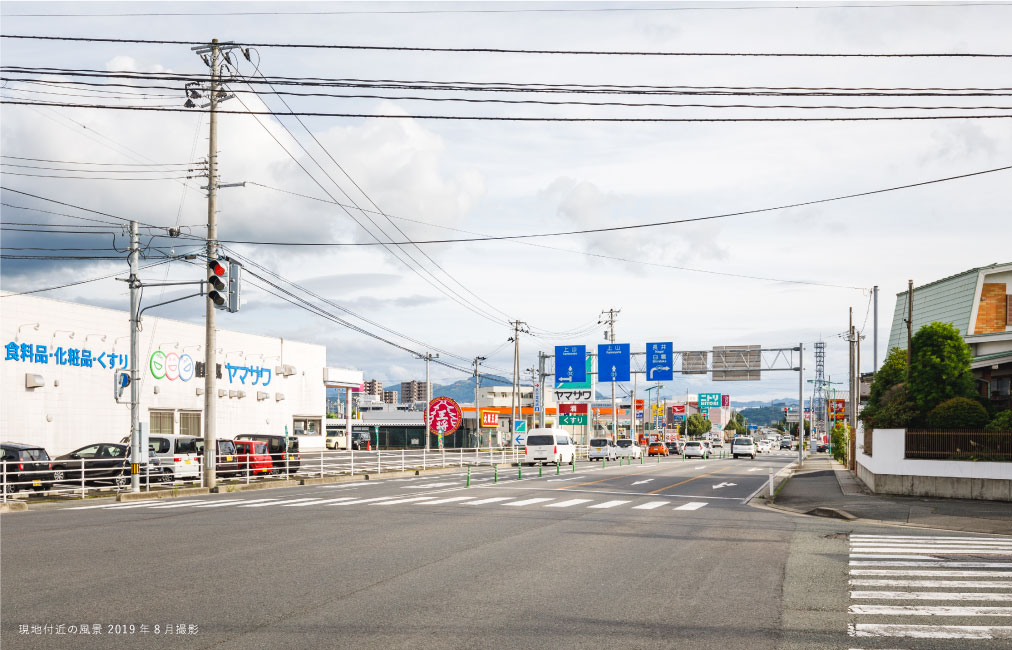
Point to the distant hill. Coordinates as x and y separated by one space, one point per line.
768 413
463 390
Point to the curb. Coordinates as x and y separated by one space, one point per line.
13 506
162 494
779 479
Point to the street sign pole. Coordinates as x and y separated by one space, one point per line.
801 403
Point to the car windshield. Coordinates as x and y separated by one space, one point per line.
743 441
36 454
598 442
625 443
692 444
260 448
293 444
186 445
541 440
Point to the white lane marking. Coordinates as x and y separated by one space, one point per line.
923 538
217 504
410 500
994 584
934 631
109 506
935 551
937 573
245 502
938 563
450 500
608 504
481 501
348 503
178 505
651 505
571 478
930 595
755 469
700 467
893 557
643 481
694 505
566 504
428 485
918 610
267 502
317 502
526 502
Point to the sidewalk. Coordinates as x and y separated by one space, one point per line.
824 483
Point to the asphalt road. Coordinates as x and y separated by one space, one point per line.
652 555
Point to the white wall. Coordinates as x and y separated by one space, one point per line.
888 450
76 406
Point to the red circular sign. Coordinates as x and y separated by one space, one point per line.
444 415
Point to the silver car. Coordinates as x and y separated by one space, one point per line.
602 448
743 446
628 449
696 448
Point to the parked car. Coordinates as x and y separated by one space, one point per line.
628 449
99 462
284 451
253 457
696 448
601 448
822 446
225 461
25 466
657 449
178 455
743 446
549 446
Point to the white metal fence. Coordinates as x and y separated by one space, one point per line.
81 478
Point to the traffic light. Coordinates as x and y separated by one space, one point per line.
217 275
234 276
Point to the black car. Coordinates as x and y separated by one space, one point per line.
673 448
821 447
284 451
226 459
786 443
25 466
104 461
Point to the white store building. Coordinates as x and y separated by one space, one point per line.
61 359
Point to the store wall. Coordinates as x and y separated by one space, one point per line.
76 350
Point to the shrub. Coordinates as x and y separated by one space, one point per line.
958 413
1001 422
838 442
939 366
896 410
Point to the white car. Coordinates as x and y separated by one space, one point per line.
764 447
696 448
743 446
602 448
628 449
549 446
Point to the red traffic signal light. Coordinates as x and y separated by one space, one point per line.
215 284
217 268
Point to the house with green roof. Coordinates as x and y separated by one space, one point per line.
978 302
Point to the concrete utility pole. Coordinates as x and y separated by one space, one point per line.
852 444
135 433
515 397
632 411
910 322
477 411
541 388
801 403
874 338
210 338
610 336
428 356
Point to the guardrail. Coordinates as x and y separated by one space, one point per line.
80 478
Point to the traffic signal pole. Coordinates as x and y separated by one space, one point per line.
135 303
210 338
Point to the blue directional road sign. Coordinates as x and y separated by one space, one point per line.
660 364
570 364
613 362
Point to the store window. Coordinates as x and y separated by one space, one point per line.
306 426
160 422
189 423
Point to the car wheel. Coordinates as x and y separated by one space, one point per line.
58 475
121 480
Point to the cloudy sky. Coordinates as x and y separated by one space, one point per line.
773 278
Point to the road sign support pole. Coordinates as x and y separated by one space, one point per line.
801 403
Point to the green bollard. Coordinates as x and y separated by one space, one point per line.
658 459
495 473
468 476
641 459
520 471
539 470
558 467
574 464
604 463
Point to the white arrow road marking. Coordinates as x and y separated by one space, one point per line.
720 485
644 481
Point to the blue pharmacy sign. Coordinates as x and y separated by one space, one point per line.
570 364
613 362
660 364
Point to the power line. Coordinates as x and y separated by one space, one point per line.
74 284
489 50
508 118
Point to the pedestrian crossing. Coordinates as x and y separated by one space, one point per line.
518 502
930 587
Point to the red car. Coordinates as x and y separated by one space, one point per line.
253 455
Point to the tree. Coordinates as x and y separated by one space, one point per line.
1002 422
896 410
697 425
939 366
958 413
892 372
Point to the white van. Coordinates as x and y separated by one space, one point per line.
178 455
549 446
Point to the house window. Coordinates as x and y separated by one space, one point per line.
189 423
160 422
307 426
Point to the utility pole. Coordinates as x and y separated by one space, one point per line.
874 338
801 403
910 322
610 336
477 411
428 356
541 387
632 411
515 397
852 443
135 433
210 338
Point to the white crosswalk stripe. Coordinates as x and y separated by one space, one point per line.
567 504
450 500
608 504
934 570
693 505
526 502
651 505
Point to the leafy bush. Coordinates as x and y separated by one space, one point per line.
1001 422
958 413
838 443
939 366
896 410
